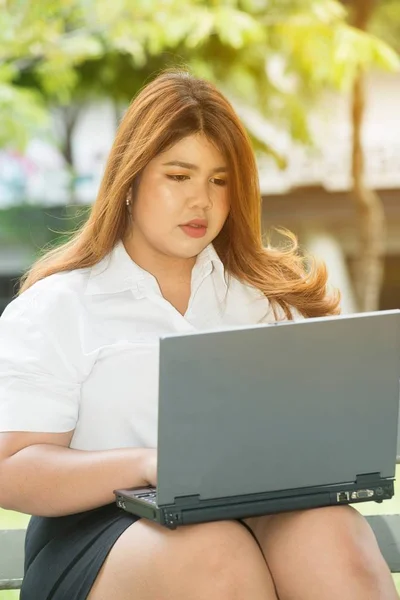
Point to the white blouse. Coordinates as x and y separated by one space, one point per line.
79 349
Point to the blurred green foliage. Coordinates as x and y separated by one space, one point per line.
62 53
386 22
39 227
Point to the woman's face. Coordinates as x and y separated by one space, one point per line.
181 203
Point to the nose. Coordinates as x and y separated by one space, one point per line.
201 197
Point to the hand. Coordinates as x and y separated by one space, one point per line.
150 466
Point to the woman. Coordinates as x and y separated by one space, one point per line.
172 244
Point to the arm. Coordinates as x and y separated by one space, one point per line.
41 475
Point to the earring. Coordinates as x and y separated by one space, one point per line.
129 197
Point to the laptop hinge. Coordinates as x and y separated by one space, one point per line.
365 478
193 499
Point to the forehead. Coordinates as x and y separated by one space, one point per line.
194 148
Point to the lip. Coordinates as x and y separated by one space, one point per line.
198 222
196 228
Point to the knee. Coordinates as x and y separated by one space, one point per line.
214 560
217 557
221 550
363 557
347 539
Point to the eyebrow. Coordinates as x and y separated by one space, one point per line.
186 165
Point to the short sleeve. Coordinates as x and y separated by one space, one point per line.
39 390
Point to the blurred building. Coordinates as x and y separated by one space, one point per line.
311 197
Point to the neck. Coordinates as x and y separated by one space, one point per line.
163 267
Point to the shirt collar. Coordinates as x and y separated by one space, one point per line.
117 272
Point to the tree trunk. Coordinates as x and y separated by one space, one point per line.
66 120
69 116
371 217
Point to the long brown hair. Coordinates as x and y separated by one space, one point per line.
172 106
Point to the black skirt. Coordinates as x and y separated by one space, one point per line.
63 555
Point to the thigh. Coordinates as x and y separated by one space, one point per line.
317 544
310 527
209 560
63 555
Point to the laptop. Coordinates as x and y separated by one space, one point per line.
271 418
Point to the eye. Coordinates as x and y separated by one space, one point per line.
178 177
220 182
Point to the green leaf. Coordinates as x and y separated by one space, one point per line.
23 115
201 29
64 50
80 47
236 28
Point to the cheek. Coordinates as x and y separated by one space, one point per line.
172 200
223 204
158 205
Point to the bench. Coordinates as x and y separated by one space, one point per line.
385 526
11 558
386 529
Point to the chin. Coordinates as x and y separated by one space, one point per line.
187 253
190 249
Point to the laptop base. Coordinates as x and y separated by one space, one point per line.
191 509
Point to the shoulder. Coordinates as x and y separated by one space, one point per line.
260 309
56 297
247 303
243 290
42 327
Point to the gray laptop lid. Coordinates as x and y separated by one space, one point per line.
275 407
